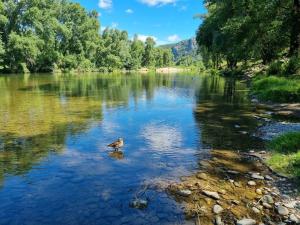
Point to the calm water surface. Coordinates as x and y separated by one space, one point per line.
55 167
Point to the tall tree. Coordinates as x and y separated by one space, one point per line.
149 55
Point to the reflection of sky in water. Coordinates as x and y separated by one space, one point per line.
83 184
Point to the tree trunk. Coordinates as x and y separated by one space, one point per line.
295 31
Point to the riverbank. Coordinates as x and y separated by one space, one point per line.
233 188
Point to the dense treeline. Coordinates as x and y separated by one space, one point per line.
240 30
52 35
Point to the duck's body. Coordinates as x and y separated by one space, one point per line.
117 144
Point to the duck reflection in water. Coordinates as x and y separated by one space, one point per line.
117 155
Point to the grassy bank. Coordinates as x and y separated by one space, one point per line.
286 154
276 89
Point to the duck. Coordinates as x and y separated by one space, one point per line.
117 144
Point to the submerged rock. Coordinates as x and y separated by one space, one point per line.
255 210
218 221
246 222
202 176
293 218
268 199
283 211
184 193
217 209
139 204
257 176
212 194
259 191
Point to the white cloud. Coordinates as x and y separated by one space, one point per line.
157 2
173 38
129 11
143 38
114 25
105 4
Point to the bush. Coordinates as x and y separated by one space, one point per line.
276 89
293 66
275 68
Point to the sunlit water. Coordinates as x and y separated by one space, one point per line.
55 167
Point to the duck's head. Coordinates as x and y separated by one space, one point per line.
120 139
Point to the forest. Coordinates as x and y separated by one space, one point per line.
59 35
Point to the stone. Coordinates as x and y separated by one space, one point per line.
222 191
293 218
268 199
231 181
257 176
237 184
233 172
255 210
251 183
236 202
217 209
269 177
283 211
218 221
246 222
259 191
202 176
267 206
212 194
184 193
139 204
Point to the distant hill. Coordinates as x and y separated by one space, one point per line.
183 48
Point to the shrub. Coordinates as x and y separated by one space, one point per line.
275 68
292 67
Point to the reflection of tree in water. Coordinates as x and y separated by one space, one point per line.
37 113
224 115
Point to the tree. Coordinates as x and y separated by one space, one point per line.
2 53
149 55
137 51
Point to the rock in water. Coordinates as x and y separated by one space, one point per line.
246 222
282 210
217 209
139 204
257 176
293 218
268 199
184 193
202 176
212 194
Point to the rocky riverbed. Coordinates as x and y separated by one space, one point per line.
233 188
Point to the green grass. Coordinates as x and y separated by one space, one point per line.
286 156
277 89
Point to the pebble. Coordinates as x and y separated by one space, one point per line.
283 211
259 191
268 199
219 221
236 202
212 194
237 184
293 218
202 176
252 183
257 176
255 210
223 192
246 222
217 209
184 193
269 177
233 172
267 206
139 204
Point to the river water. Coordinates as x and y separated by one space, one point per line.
55 167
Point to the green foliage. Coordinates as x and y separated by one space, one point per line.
286 158
238 30
293 66
286 143
277 89
275 68
56 35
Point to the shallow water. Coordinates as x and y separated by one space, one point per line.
55 167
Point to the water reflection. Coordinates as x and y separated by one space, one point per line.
55 167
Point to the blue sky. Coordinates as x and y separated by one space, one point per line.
168 21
